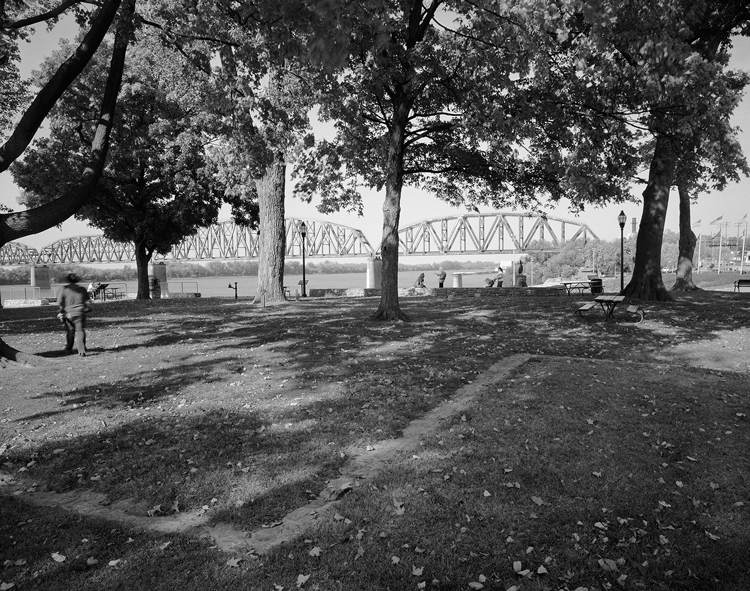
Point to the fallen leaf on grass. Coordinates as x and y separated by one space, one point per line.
476 585
487 493
58 557
711 536
6 586
608 565
537 500
154 511
114 562
234 562
91 561
541 570
417 571
301 580
315 551
395 559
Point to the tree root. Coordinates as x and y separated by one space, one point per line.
390 315
684 285
9 355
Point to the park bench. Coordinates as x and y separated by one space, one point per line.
585 308
741 283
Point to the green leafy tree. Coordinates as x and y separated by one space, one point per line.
673 56
158 185
14 225
476 102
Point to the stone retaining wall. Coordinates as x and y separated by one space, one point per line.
445 292
25 303
179 295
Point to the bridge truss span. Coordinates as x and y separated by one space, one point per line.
222 241
16 253
490 233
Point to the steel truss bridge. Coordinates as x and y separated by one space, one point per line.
470 234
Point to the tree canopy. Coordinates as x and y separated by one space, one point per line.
158 185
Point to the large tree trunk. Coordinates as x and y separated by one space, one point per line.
684 279
24 223
272 242
142 259
646 282
389 307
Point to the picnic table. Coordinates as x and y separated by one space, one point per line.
608 304
113 293
580 286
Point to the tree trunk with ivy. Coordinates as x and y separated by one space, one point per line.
646 282
272 239
684 279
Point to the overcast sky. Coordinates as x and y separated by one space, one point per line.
731 204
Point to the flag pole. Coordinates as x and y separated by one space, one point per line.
700 237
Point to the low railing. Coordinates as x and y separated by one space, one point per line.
20 293
182 285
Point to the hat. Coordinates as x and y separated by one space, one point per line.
72 278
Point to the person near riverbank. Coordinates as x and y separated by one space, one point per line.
499 276
420 281
73 303
441 277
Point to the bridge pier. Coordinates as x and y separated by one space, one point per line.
374 273
40 277
157 280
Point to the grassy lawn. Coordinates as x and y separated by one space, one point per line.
616 457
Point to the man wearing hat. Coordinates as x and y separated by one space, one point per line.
73 301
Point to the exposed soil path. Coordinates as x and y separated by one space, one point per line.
361 468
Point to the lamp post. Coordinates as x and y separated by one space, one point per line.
235 289
621 219
303 233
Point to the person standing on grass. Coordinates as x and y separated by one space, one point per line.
73 303
441 277
499 276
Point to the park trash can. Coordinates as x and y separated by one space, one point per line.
596 284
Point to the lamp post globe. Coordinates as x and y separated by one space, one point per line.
303 234
621 219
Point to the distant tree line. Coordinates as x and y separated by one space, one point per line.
58 273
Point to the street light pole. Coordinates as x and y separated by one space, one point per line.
303 233
621 219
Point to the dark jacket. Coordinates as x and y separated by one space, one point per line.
73 300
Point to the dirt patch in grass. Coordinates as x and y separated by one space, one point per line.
243 414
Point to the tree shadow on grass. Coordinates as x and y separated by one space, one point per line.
346 381
236 464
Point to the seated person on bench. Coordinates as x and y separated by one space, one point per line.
96 289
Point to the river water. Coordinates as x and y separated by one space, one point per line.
248 285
